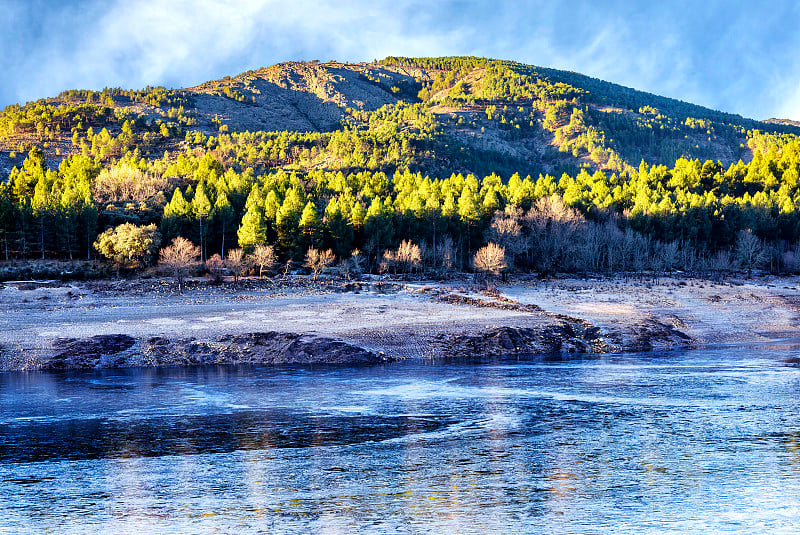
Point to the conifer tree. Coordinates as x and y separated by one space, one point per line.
42 205
310 227
175 215
251 232
378 224
288 221
6 215
201 209
223 217
337 224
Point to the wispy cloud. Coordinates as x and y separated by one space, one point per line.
720 53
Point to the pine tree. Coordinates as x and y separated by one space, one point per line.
176 212
287 223
201 208
271 206
42 205
223 217
6 215
251 232
378 224
337 224
469 212
310 227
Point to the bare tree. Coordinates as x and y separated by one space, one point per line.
215 266
688 257
749 250
637 247
287 267
612 239
552 228
446 253
407 256
178 258
490 259
127 183
721 262
357 261
505 230
669 254
790 260
317 260
235 261
592 248
383 267
264 257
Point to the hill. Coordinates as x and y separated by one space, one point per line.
475 112
368 155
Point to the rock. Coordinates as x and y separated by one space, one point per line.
122 351
653 334
517 341
292 348
98 351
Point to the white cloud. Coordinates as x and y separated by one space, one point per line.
716 56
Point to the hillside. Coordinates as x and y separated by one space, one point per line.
449 153
515 117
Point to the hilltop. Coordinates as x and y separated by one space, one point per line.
466 114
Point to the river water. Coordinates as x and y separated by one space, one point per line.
704 441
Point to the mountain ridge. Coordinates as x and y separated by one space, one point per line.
460 95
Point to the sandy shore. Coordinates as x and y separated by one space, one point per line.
399 320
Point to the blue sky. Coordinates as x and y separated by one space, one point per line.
740 57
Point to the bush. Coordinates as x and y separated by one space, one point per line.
129 245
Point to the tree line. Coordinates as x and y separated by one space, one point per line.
691 214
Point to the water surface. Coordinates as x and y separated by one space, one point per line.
683 442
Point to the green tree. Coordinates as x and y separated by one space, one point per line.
6 215
469 212
310 226
23 183
223 217
129 245
176 213
378 225
337 223
252 232
201 209
42 204
288 221
77 202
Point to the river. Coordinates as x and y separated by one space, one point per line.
703 441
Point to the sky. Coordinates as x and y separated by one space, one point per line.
738 57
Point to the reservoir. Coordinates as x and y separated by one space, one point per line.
702 441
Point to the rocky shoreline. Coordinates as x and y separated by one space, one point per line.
567 339
300 324
282 348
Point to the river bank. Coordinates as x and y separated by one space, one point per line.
128 323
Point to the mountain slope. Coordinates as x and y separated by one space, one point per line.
473 112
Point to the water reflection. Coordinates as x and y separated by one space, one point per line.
93 438
701 441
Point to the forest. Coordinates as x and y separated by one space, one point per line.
626 181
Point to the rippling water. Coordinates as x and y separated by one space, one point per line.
692 442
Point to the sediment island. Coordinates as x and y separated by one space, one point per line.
294 320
